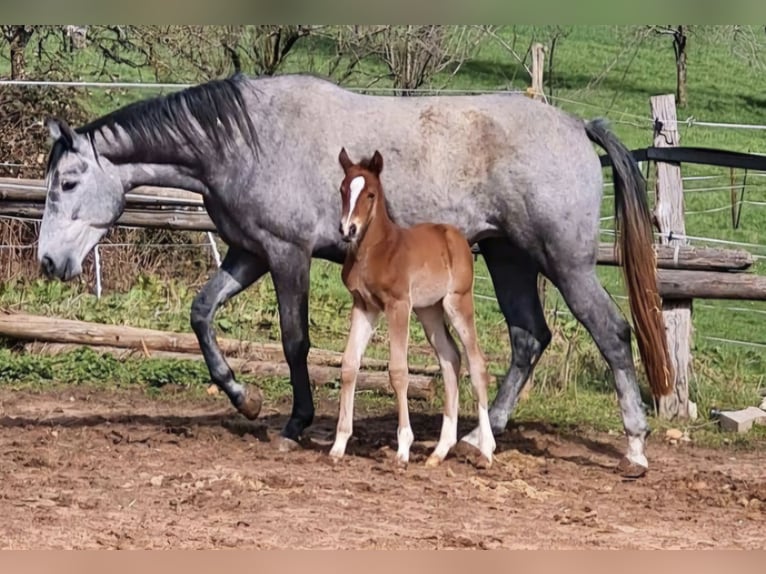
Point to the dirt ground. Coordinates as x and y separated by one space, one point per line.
95 469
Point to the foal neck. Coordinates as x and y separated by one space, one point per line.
380 226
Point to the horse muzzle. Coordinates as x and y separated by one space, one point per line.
53 269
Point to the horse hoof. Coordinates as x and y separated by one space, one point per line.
251 403
433 461
629 469
284 444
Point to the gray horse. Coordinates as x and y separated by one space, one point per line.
518 177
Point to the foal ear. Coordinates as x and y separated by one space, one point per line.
344 160
376 164
60 131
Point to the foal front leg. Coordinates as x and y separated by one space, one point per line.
398 315
362 326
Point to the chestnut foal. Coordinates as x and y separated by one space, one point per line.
427 268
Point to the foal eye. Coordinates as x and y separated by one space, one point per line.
68 185
371 196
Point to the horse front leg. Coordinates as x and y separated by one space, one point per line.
238 271
290 267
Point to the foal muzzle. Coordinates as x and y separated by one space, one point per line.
348 234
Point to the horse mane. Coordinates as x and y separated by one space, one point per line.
217 107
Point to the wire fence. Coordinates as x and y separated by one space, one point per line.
484 294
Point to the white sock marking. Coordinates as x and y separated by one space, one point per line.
635 452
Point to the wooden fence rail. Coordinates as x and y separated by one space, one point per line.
684 272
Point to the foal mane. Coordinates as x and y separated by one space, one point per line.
164 122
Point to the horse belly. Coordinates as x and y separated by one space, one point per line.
428 289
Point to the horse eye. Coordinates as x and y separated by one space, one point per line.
68 185
371 195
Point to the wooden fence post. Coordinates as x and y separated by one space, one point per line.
536 92
669 215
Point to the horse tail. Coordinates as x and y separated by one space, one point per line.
634 227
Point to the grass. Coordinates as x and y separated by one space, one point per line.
572 382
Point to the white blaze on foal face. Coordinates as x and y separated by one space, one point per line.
355 188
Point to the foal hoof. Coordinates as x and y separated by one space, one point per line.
251 403
284 444
630 469
433 461
400 464
482 462
466 452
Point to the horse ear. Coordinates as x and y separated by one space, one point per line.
344 160
60 131
377 162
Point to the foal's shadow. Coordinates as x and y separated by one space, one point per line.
372 434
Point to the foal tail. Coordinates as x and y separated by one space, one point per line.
634 226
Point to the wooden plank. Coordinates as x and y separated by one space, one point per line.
168 192
679 284
688 257
420 386
56 330
668 257
133 198
669 216
166 219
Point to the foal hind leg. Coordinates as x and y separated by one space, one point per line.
592 306
238 271
514 278
398 315
459 309
448 354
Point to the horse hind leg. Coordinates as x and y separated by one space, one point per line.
460 310
592 306
432 319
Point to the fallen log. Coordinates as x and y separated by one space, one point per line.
56 330
420 387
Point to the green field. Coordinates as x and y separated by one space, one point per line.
599 71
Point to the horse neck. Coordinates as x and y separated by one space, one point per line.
155 166
161 175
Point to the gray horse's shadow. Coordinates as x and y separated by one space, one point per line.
371 433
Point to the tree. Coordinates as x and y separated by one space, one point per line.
413 55
18 37
679 36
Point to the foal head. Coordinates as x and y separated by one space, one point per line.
360 193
